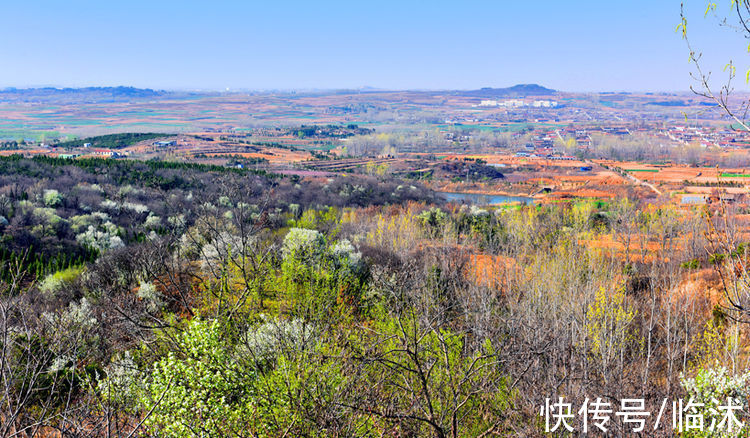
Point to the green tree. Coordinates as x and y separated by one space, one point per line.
199 390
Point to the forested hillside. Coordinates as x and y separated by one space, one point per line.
113 141
167 299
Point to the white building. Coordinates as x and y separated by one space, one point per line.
544 104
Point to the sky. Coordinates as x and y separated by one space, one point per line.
585 45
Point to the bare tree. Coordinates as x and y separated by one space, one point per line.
738 20
730 258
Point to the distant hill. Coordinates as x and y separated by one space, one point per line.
514 91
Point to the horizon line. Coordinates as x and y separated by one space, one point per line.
230 90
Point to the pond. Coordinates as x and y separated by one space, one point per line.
693 199
482 199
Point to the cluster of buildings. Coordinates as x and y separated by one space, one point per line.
164 143
549 155
667 133
518 103
706 136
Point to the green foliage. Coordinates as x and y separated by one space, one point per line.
740 251
54 282
608 328
691 264
319 277
299 394
114 141
199 390
40 264
717 258
121 172
326 220
400 342
433 220
275 380
52 198
473 219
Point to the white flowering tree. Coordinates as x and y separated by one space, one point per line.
717 389
102 238
303 245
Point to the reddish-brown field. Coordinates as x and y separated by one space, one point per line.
677 174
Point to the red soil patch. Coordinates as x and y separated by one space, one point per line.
491 271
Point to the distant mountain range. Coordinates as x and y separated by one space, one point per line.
96 94
123 94
514 91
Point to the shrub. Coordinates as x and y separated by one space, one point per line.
54 282
52 198
691 264
152 221
151 296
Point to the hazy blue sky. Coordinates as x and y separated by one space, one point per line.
587 45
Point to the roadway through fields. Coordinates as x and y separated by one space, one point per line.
637 181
